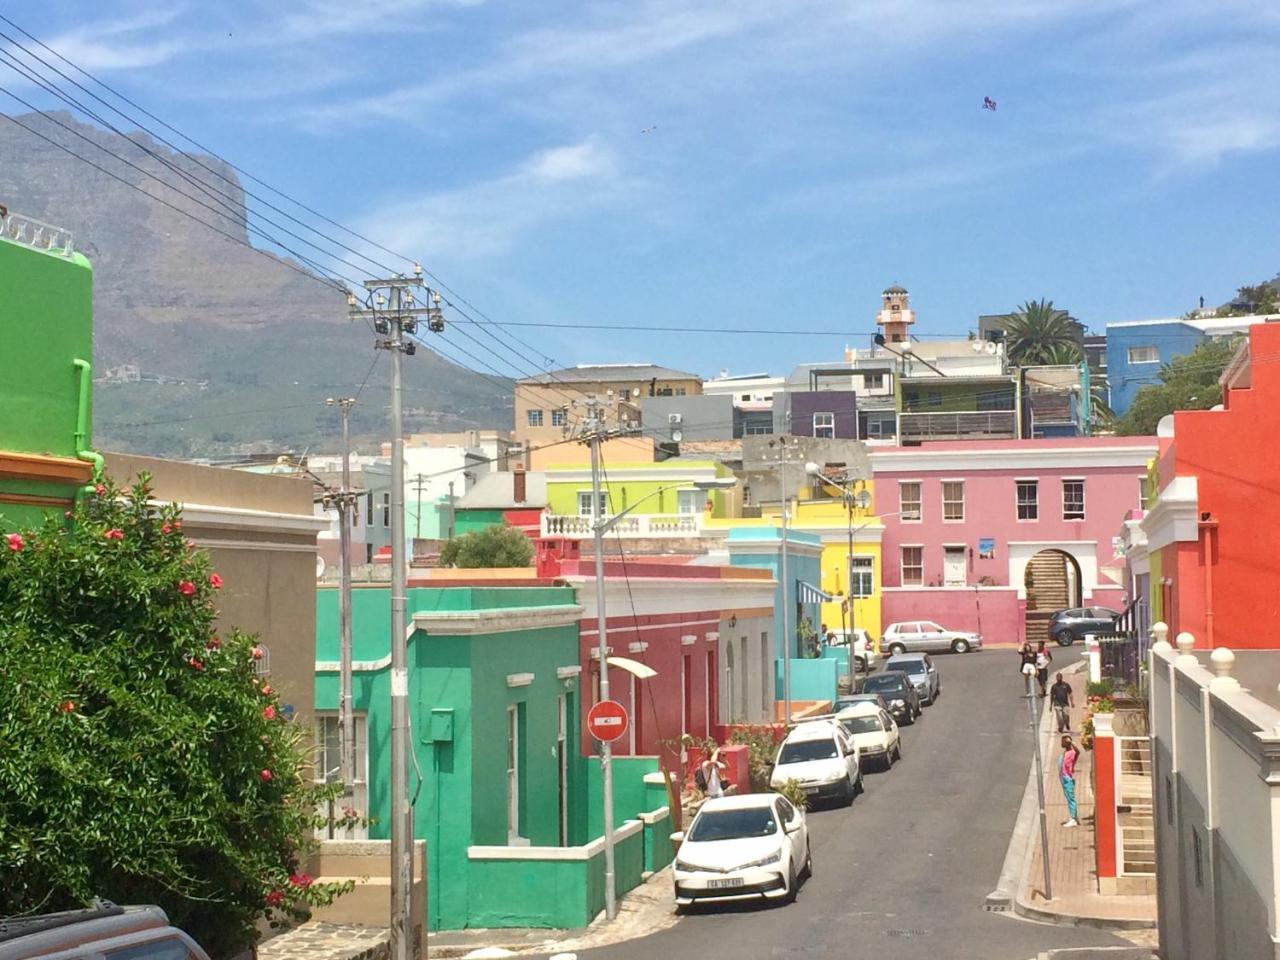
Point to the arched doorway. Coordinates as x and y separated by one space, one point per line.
1053 582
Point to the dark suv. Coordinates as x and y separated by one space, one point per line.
101 931
1068 626
898 691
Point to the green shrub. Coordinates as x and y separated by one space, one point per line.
1106 687
496 546
143 759
762 743
795 793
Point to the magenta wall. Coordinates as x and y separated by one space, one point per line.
994 613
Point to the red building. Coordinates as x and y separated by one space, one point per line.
1212 535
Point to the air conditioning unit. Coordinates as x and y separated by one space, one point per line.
675 418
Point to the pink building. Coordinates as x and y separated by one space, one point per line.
997 535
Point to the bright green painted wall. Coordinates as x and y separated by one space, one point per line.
562 495
469 521
630 796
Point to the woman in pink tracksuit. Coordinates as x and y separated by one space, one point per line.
1067 775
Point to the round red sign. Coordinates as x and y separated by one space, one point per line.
607 720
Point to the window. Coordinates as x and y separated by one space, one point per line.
912 566
935 398
873 381
1028 500
386 509
909 499
557 417
584 503
1143 501
746 396
824 425
1072 499
1144 355
368 504
681 391
535 417
690 501
952 499
862 572
513 771
328 752
995 400
1168 800
1197 851
875 428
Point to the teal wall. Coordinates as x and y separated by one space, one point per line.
761 547
810 679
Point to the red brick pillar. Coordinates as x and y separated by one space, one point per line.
1104 795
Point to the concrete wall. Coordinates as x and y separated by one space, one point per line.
994 612
702 417
260 533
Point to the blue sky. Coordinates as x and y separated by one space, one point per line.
805 154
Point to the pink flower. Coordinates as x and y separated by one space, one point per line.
300 880
165 528
274 898
99 489
186 588
15 542
115 533
269 713
68 706
214 643
177 524
215 581
266 689
265 776
195 664
257 653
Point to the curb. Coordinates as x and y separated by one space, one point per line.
1095 953
1008 893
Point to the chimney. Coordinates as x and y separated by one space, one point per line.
518 492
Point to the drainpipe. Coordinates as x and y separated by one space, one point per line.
82 425
1208 532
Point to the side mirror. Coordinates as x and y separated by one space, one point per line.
678 837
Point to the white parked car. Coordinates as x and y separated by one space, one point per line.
864 651
822 758
925 636
752 845
874 732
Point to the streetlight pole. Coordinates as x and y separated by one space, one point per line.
786 591
346 510
1029 671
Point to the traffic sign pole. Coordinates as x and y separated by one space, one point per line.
606 746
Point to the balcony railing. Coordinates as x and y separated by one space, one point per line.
635 525
957 426
36 233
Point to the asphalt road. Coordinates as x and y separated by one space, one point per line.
903 872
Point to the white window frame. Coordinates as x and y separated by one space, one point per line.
1034 504
690 503
558 417
902 564
1143 505
1083 501
533 418
1141 351
584 503
873 381
513 774
862 576
919 502
828 426
323 762
944 484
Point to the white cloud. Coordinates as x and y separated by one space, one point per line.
576 162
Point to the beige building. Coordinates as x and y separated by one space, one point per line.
260 532
544 404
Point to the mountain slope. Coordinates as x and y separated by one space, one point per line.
235 351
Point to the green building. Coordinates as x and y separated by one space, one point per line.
46 338
507 802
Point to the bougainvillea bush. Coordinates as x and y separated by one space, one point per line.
142 758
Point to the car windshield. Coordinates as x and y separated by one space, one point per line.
850 701
862 724
884 683
907 666
800 751
715 825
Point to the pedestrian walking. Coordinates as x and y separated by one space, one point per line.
1067 775
1062 698
1026 663
1043 659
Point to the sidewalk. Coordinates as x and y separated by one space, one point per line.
1072 870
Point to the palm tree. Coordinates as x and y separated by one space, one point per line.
1039 333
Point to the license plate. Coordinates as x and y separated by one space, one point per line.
810 791
721 884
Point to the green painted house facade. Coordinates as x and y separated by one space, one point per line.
46 338
506 789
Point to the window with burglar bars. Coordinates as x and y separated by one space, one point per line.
912 566
953 500
328 752
1028 500
861 574
1072 499
909 499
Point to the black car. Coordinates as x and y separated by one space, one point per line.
898 691
103 930
1068 626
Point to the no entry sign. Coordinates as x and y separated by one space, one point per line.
607 720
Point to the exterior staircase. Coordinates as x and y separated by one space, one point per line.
1137 824
1048 591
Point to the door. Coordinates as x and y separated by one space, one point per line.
562 766
513 775
953 567
933 638
787 816
686 694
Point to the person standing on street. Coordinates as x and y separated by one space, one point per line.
1062 698
1067 776
711 775
1043 659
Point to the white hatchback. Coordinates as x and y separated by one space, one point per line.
874 731
753 845
821 757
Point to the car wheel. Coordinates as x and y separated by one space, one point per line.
897 649
847 793
897 752
808 861
909 719
860 787
960 646
1065 638
790 895
682 909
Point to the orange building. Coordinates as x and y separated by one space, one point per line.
1213 535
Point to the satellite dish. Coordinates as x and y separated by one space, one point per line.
1165 427
864 499
677 435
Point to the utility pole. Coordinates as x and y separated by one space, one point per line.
1029 671
395 319
346 511
418 478
781 464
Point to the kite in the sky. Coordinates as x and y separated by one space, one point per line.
988 104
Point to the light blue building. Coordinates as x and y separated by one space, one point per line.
1137 349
